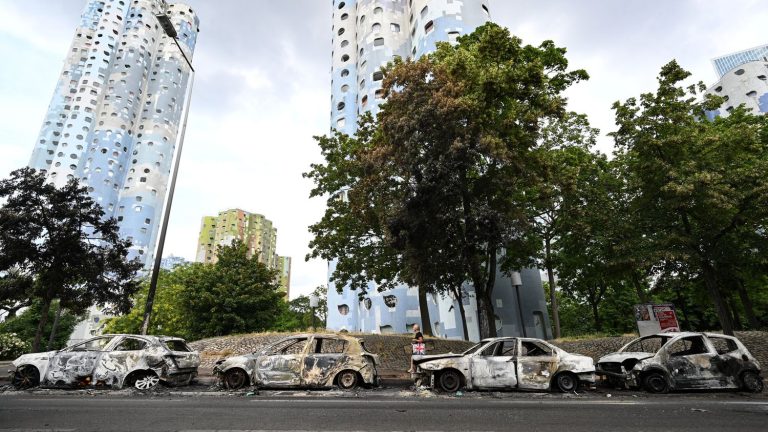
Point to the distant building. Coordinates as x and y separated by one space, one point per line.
284 269
368 34
116 112
731 61
171 262
745 83
92 325
254 230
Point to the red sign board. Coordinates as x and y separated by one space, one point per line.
665 315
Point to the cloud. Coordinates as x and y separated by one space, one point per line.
263 83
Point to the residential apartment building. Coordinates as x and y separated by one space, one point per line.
116 112
368 34
743 81
254 230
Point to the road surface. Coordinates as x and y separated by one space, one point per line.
26 412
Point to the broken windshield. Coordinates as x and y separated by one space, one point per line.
648 344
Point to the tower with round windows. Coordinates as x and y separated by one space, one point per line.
116 112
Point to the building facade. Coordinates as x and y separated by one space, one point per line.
254 230
743 81
116 112
728 62
368 34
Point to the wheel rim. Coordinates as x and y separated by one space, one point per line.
657 383
347 379
146 382
752 382
235 379
26 377
566 382
449 381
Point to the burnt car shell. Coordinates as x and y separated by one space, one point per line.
112 361
303 361
506 363
682 361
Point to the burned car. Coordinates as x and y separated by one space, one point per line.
308 360
110 361
506 363
682 361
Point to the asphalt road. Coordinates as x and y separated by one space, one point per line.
23 412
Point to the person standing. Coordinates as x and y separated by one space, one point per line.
417 345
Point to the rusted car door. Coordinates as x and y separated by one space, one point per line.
536 363
76 364
281 367
323 361
691 363
118 362
494 366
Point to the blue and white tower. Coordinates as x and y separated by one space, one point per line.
743 81
116 112
368 34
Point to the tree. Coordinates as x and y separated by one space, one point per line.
168 314
440 179
698 185
237 294
59 237
25 324
563 153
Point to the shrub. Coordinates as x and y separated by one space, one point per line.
12 346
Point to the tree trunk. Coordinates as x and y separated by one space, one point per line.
710 280
462 312
596 317
749 310
552 288
642 295
426 323
731 303
54 327
41 324
490 282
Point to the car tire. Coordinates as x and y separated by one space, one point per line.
656 382
449 381
752 382
347 379
566 382
235 378
146 381
25 377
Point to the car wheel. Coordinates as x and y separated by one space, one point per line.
449 381
235 378
146 381
347 379
752 382
566 382
25 377
656 382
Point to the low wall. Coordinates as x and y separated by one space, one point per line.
395 350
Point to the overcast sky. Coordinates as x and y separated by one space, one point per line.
263 84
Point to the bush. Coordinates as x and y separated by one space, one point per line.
12 346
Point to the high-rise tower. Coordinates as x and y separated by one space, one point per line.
368 34
743 81
116 112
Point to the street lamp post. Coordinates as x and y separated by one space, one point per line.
517 281
170 31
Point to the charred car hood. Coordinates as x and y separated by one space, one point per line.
621 356
426 358
34 357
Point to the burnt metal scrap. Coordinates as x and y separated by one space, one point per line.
506 363
111 361
683 361
308 360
